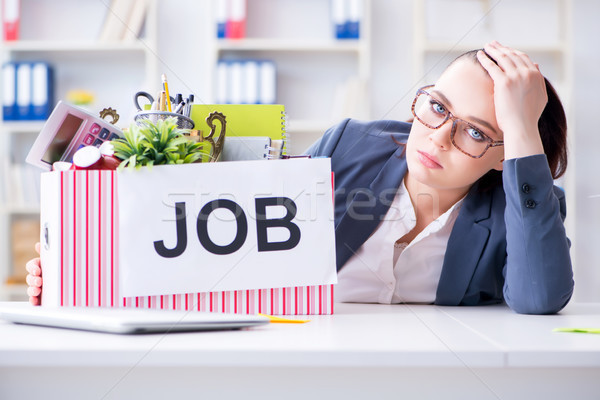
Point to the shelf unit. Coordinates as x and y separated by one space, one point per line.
305 53
74 62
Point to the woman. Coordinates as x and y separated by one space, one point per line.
429 217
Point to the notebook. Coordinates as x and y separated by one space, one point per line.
245 148
125 320
245 120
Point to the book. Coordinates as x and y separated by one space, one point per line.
245 120
117 16
245 148
134 24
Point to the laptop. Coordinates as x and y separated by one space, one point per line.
125 320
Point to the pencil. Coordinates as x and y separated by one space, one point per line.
166 88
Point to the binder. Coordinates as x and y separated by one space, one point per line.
352 25
234 83
345 17
222 77
221 18
250 82
338 18
246 82
236 24
41 96
9 98
268 79
24 105
245 120
11 10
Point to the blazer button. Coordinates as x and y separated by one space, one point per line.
530 203
525 188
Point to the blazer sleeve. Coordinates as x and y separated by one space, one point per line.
538 273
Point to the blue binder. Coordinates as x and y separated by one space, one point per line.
33 92
41 91
9 95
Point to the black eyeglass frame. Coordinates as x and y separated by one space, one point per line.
450 116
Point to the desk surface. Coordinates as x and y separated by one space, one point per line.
357 335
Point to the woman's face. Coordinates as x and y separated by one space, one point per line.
466 90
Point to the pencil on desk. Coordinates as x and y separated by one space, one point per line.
166 89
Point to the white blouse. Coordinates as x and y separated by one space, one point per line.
382 271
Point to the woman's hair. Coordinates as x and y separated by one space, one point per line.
552 126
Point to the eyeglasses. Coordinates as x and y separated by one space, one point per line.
465 136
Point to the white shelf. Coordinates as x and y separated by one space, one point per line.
72 46
19 209
22 126
283 45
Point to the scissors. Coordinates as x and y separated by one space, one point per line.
147 96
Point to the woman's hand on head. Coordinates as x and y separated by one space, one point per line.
34 279
519 98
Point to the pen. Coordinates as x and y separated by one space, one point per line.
188 106
178 98
166 88
180 107
286 157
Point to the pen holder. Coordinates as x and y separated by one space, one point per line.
183 122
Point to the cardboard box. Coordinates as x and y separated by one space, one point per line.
82 246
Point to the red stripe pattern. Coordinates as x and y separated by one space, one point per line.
89 267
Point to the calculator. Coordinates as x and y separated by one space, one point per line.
68 129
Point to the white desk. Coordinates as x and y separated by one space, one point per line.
362 351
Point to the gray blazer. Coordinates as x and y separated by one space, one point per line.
508 243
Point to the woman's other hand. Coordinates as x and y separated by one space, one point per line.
34 279
519 98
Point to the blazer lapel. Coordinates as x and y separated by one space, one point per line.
368 208
465 247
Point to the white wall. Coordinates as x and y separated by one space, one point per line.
586 145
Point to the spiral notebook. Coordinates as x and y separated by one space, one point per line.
257 120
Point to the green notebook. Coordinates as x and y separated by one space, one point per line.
245 120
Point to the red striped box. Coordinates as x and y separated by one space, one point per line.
80 244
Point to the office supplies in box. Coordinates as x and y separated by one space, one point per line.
197 238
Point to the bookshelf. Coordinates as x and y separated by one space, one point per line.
79 60
300 40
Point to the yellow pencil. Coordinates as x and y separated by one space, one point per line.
166 88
